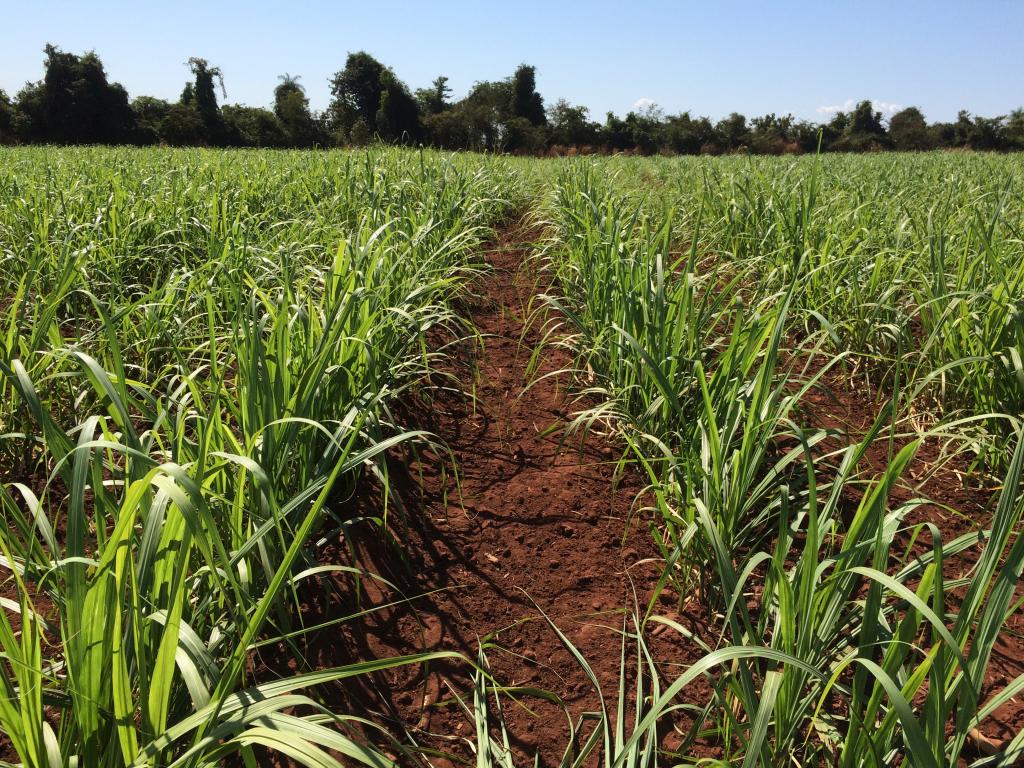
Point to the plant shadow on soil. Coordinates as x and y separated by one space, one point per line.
531 523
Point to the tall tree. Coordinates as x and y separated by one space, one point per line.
942 135
75 104
486 111
865 123
398 117
570 125
203 97
771 134
434 100
182 126
150 114
6 119
647 128
963 128
981 133
686 135
356 92
253 127
733 131
1015 129
292 108
526 102
616 134
909 131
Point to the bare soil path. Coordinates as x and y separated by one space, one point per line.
537 523
530 524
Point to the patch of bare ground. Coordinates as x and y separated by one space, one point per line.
529 525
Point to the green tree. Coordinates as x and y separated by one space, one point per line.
833 131
360 135
864 120
292 110
366 90
963 128
733 132
981 133
647 129
571 126
486 113
685 135
7 119
253 127
526 102
1015 129
356 92
807 136
521 136
150 114
434 100
771 134
616 133
398 117
182 126
863 130
909 130
987 133
839 123
495 116
202 96
75 104
942 135
451 129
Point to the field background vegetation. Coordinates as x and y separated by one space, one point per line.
204 351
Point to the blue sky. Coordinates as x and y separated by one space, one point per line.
708 57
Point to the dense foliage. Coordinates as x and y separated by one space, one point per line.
847 628
75 104
203 348
201 356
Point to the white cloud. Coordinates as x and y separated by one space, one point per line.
643 103
846 106
885 107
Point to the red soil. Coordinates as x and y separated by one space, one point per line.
539 526
530 525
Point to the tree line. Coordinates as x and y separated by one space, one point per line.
75 103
